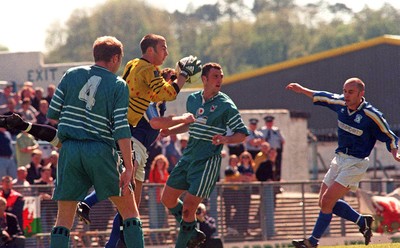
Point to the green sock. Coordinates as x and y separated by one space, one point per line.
59 237
177 211
185 233
133 233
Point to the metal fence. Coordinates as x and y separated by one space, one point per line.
243 211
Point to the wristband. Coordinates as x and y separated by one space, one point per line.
185 74
29 127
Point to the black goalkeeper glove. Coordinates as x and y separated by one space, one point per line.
189 66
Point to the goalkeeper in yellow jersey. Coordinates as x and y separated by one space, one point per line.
144 77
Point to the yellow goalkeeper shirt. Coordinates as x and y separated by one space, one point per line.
145 85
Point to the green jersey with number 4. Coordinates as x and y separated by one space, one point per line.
94 109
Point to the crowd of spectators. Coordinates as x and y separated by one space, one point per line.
20 148
26 161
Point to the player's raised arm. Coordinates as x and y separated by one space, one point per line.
300 89
395 154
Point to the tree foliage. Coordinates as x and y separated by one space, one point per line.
238 36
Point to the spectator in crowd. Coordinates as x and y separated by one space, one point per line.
272 134
172 151
15 200
25 93
154 150
44 191
7 161
12 108
5 94
45 179
183 141
41 117
34 166
12 235
158 174
230 194
254 140
53 163
28 87
25 145
265 169
265 172
262 155
51 88
236 148
246 170
26 113
20 180
38 96
208 226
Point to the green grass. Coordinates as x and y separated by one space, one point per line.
389 245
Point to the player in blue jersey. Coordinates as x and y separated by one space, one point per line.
91 105
198 169
360 125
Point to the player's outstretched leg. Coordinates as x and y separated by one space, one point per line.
116 237
344 210
366 230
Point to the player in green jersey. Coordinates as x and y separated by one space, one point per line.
197 171
91 104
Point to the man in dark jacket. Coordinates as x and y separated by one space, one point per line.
11 233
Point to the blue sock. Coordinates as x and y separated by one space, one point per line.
344 210
322 223
115 232
91 199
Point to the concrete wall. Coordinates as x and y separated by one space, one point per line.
29 66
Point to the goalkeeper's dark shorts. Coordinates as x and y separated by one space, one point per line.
198 177
83 164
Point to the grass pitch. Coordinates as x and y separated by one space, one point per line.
389 245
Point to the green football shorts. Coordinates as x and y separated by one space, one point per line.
198 177
83 164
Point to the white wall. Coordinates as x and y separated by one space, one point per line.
29 66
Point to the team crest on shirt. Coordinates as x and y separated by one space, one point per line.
213 107
342 110
200 111
358 118
156 73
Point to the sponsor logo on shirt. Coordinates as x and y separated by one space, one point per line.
350 129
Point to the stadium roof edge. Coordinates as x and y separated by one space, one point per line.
385 39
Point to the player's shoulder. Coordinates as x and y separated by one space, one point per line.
144 65
79 68
368 108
